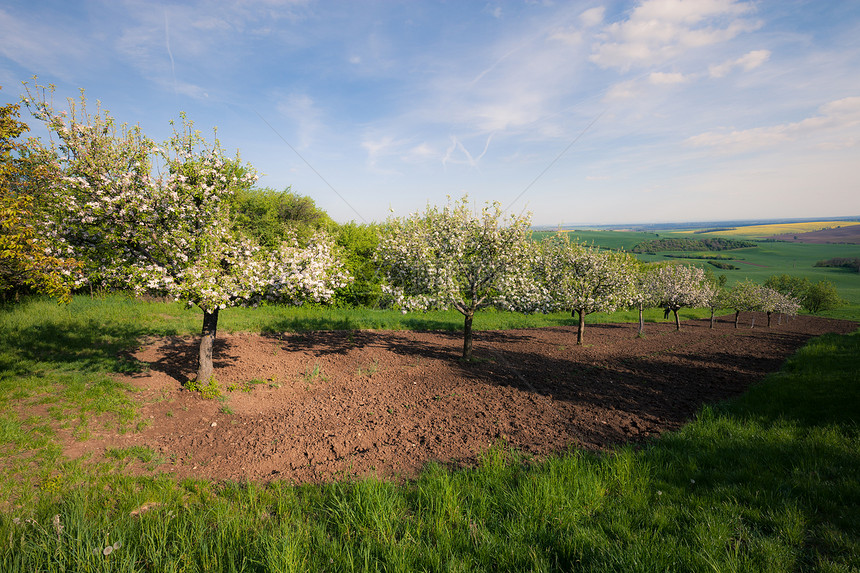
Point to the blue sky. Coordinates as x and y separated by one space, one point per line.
580 112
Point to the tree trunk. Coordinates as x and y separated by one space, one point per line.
677 320
713 310
581 330
641 323
768 319
207 340
737 317
467 335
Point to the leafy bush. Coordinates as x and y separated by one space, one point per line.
841 263
821 296
358 243
721 265
272 216
789 285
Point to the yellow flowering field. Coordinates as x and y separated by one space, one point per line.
781 228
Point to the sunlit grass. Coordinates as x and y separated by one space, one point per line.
764 483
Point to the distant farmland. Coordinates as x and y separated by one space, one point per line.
819 232
844 234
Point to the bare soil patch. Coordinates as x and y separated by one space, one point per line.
329 405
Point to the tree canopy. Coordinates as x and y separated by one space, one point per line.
159 219
25 257
584 279
454 257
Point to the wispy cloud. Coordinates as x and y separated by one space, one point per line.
827 129
301 110
42 46
592 16
747 62
666 78
458 154
660 30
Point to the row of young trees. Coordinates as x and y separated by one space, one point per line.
102 205
456 258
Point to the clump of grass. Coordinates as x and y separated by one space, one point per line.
210 390
135 453
313 374
368 371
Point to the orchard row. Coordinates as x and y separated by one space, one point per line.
101 205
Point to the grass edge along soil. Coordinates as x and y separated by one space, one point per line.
766 482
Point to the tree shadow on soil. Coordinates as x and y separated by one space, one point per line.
444 346
302 325
179 357
668 385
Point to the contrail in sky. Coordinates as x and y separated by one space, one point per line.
551 163
169 53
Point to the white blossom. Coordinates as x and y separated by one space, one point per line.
453 257
584 279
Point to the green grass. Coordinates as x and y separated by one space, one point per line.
766 482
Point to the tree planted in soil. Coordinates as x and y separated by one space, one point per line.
453 257
582 279
674 287
157 219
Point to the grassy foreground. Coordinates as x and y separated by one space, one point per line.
767 482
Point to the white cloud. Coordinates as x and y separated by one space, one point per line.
825 130
420 152
592 16
748 61
494 11
658 30
378 148
569 36
638 88
458 154
303 112
623 90
663 78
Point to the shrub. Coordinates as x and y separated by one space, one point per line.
821 296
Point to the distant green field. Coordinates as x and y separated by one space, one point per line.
756 263
610 239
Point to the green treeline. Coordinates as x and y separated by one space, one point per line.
683 244
271 216
841 263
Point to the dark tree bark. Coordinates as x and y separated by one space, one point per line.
737 317
467 334
205 368
580 331
713 311
641 323
677 320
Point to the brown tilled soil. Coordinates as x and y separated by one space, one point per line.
845 234
328 405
